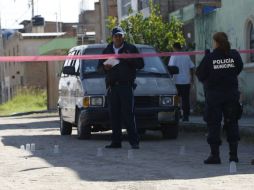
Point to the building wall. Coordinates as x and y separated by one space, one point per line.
98 19
1 69
34 73
69 28
87 21
13 73
112 10
176 4
86 25
166 7
234 18
30 74
49 26
104 9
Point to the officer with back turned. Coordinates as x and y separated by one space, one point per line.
218 71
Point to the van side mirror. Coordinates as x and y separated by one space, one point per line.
173 70
69 70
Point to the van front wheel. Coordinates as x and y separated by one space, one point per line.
84 131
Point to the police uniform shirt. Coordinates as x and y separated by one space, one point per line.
116 50
219 70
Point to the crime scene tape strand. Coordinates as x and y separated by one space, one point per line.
100 56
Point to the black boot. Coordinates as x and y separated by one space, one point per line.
233 152
214 157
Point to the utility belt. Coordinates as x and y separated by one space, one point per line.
122 83
125 83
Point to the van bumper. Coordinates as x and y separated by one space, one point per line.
152 118
148 118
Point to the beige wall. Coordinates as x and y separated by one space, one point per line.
1 70
12 71
23 74
34 73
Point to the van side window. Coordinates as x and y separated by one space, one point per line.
73 61
77 62
68 62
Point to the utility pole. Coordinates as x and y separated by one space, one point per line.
60 16
32 3
57 30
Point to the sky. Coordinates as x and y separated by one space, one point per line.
13 12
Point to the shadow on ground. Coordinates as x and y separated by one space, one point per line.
157 159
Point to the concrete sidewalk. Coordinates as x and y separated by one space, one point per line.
246 124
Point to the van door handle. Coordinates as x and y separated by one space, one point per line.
68 83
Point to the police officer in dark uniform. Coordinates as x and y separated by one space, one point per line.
218 72
120 83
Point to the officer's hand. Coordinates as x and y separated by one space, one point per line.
107 67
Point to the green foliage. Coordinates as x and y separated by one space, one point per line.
112 22
151 30
27 99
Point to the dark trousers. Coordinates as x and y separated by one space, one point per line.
121 107
184 92
222 104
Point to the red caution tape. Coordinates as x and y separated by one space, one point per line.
101 56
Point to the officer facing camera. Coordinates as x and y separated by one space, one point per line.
120 77
218 71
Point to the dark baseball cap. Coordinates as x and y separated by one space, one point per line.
117 30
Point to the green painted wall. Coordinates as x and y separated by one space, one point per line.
231 18
58 44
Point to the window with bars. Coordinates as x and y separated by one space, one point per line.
126 6
142 4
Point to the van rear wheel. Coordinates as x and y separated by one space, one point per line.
65 127
84 130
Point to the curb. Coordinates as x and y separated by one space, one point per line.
29 113
245 131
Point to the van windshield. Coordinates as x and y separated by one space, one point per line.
90 66
152 64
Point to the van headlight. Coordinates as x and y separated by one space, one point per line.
166 101
93 101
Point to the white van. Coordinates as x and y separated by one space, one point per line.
83 103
